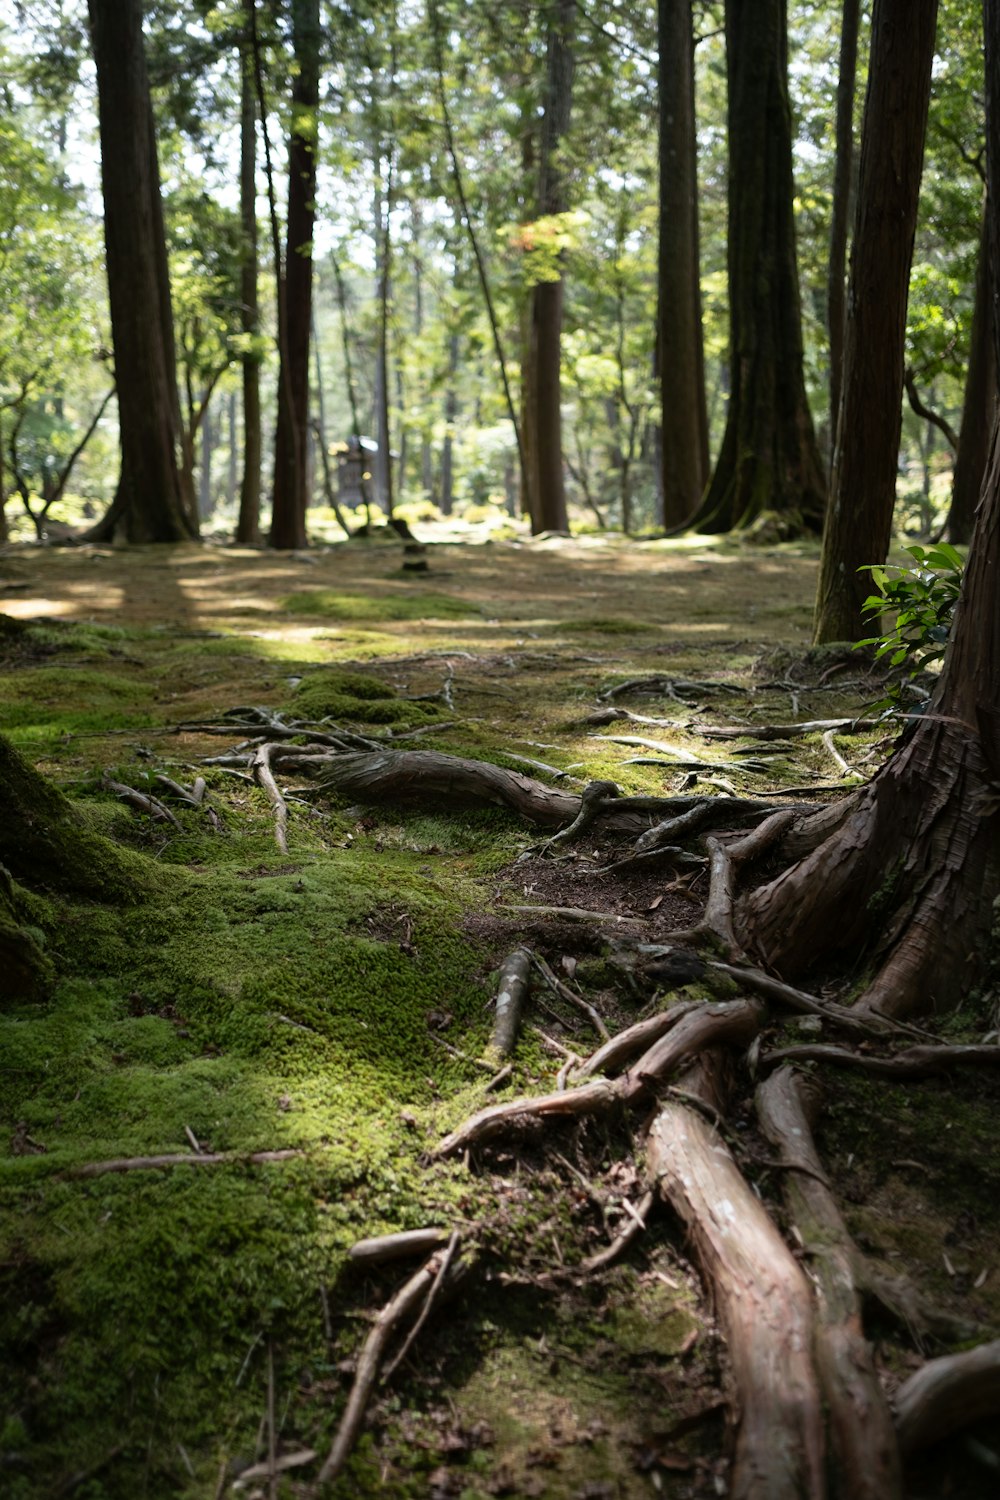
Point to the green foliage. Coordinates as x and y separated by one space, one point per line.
922 599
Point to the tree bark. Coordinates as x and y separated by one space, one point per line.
978 407
684 420
843 182
769 460
248 523
288 517
151 502
863 484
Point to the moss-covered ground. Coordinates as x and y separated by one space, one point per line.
334 1002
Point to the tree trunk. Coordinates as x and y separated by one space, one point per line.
231 454
383 458
450 413
248 524
843 181
288 517
151 502
549 507
205 497
978 407
769 458
863 485
684 421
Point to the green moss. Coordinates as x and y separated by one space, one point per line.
357 698
385 606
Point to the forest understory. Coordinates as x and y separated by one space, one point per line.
440 925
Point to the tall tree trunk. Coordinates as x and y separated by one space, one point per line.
383 244
231 465
978 407
684 421
769 458
863 485
152 501
450 413
549 513
248 523
288 517
840 215
205 497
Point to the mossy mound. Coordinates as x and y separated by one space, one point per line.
358 699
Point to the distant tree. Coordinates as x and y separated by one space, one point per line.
153 502
863 485
836 309
769 458
295 276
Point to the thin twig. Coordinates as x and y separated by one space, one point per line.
570 996
408 1342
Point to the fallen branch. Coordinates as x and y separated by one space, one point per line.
567 993
152 807
383 1247
261 766
151 1163
411 1296
635 1225
512 992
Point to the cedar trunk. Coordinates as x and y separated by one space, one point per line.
978 406
152 500
769 460
288 519
248 524
543 386
863 485
843 177
684 420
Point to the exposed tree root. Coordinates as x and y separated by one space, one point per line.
947 1394
707 1025
383 1247
864 1449
915 1062
761 1297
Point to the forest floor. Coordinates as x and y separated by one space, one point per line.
162 1331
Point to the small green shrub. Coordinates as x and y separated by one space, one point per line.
923 598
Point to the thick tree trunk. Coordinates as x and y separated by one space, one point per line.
684 421
863 486
843 181
978 407
248 523
152 501
544 389
383 458
769 458
288 518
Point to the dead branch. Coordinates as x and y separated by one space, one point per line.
947 1394
261 766
429 1301
635 1225
152 807
835 754
410 1297
865 1450
512 992
151 1163
383 1247
761 1295
567 993
573 913
915 1062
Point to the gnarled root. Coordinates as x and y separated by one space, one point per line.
947 1394
865 1452
761 1295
